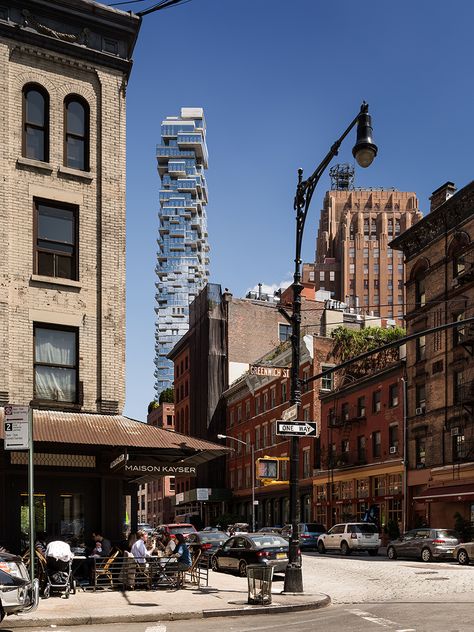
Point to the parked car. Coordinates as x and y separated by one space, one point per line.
308 534
253 548
174 528
17 592
144 526
424 543
208 541
276 530
464 553
350 536
238 527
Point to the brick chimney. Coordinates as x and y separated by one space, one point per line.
442 194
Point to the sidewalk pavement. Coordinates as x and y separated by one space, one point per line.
226 595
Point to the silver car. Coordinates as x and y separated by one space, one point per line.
464 553
17 592
425 544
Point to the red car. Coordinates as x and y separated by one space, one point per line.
183 527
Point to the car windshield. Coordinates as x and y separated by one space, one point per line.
188 529
262 541
446 533
366 529
214 537
313 527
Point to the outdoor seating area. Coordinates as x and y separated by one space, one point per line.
121 571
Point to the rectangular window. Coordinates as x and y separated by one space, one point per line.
376 402
265 402
239 414
420 395
306 463
247 443
393 395
247 409
283 392
393 438
361 456
257 405
437 367
284 332
55 247
273 432
231 418
420 348
306 413
376 443
460 448
321 276
420 452
345 411
379 485
361 406
264 436
327 382
305 385
272 397
351 268
332 275
55 364
239 444
257 438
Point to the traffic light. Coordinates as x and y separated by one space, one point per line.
267 468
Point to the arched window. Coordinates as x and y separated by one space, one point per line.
457 250
76 133
35 142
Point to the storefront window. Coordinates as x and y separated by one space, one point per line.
363 488
347 489
72 516
395 484
379 485
39 503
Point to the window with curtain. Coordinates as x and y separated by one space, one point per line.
55 364
76 131
35 123
55 240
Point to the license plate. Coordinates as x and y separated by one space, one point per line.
281 556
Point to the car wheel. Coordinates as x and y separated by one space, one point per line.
426 555
215 564
463 557
391 553
321 547
345 550
373 552
243 568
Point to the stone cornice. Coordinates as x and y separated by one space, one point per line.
447 217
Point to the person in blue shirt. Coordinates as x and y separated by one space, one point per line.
182 553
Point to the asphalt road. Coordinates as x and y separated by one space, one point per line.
389 617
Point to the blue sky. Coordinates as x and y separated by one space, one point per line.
279 81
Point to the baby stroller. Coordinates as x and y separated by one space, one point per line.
58 578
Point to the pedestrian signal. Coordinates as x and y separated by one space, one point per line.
267 468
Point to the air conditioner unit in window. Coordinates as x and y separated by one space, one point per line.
420 410
393 449
455 431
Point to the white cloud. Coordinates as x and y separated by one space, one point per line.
270 288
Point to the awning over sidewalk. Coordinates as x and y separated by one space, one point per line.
119 432
447 493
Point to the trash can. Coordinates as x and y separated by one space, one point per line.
259 577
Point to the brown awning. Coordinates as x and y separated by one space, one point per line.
116 431
447 493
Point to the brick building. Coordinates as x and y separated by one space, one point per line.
362 449
254 405
353 260
226 334
439 256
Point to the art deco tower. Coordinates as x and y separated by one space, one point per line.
353 260
182 261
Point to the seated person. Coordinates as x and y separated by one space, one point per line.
139 550
182 553
105 545
97 550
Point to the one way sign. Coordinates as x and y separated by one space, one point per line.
297 429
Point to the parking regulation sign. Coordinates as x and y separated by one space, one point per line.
16 427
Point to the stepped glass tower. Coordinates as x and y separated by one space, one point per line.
182 262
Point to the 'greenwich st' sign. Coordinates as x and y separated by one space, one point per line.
159 469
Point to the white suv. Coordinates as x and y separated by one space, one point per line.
350 536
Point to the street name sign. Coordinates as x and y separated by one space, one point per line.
16 427
290 413
297 429
269 371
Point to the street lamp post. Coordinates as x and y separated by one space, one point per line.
364 152
252 456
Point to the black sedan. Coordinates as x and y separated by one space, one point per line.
253 548
207 541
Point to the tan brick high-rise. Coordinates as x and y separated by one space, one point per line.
353 259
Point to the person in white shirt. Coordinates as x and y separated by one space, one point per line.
139 550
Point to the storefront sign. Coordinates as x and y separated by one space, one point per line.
269 371
118 461
159 469
202 493
16 427
179 498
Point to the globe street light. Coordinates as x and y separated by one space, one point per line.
364 152
252 456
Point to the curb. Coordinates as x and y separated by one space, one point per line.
18 622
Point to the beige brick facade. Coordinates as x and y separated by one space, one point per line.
94 304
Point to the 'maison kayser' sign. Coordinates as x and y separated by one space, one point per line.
160 469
